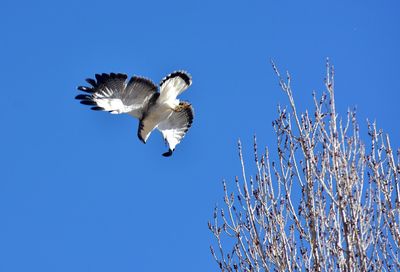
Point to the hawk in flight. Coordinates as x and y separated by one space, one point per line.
140 98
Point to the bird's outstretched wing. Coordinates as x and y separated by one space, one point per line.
111 92
175 127
173 85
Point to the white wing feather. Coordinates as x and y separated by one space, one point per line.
173 85
175 127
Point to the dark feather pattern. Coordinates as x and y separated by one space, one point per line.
140 127
182 74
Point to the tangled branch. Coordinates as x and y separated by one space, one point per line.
347 217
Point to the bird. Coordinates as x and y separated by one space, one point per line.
156 107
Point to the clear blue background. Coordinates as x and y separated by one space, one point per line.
80 192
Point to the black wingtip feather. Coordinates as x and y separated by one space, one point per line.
98 77
82 96
88 102
168 153
122 76
97 108
85 89
92 82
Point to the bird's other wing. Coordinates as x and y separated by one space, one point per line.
110 92
175 127
173 85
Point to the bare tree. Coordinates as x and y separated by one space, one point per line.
348 215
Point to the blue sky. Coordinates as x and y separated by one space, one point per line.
80 192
